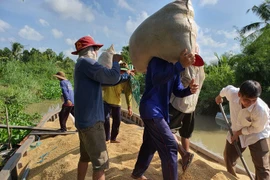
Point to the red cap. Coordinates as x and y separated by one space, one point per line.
85 42
198 61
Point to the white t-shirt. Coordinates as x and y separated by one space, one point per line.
254 120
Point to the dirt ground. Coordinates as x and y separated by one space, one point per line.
56 158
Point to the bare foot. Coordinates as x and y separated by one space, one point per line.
140 178
186 161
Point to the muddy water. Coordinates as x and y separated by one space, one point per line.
43 107
209 135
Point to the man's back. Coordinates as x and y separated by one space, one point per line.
88 77
112 94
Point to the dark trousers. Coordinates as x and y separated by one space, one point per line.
63 116
116 120
259 152
157 136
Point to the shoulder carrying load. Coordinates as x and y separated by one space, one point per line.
189 72
164 34
106 57
188 104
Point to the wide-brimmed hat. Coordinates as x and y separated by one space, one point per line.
123 66
198 60
60 75
85 42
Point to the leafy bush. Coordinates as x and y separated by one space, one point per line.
16 116
51 90
27 77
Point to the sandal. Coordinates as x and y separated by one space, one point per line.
140 178
186 165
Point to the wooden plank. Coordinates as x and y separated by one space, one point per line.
8 130
215 157
52 133
27 128
6 172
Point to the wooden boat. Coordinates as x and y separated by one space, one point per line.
206 165
221 121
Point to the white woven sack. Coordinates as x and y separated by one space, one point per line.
72 118
106 57
164 34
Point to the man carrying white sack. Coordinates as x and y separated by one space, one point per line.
112 104
182 110
162 79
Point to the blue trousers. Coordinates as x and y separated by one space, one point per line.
157 136
116 120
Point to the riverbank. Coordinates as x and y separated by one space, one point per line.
61 153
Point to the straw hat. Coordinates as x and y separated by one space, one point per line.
85 42
60 75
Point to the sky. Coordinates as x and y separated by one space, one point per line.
58 24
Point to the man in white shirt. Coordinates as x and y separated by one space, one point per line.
250 125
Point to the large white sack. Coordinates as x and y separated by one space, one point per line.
106 57
188 73
164 34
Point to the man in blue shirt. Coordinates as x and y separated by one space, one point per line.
162 78
89 110
68 96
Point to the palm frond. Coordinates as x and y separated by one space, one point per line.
262 11
253 26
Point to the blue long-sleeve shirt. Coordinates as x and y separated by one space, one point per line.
67 91
88 77
162 78
123 78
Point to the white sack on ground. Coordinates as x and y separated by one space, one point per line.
106 57
164 34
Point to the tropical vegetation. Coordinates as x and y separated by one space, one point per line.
263 12
26 75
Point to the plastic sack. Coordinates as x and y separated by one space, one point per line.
164 34
106 57
70 116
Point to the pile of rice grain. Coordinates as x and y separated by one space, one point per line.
61 154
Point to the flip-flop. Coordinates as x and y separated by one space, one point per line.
145 178
185 166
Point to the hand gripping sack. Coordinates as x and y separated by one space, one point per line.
164 34
106 57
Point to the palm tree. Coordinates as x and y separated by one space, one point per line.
16 49
263 12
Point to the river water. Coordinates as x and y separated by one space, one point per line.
211 136
206 133
43 107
